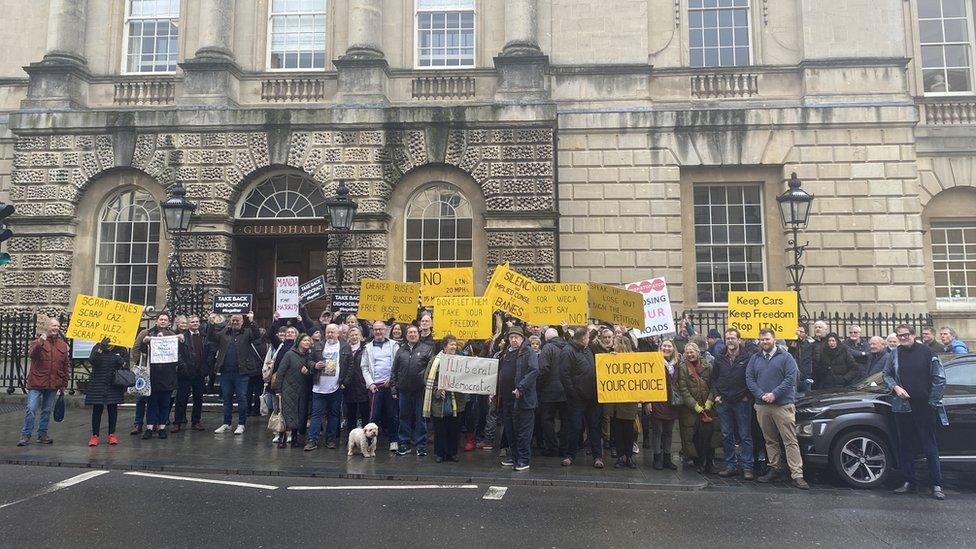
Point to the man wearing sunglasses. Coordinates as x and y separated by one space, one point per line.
916 377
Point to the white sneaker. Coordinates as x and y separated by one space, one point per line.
239 430
394 446
289 438
276 439
636 448
222 429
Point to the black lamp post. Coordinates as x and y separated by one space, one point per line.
342 210
177 211
794 206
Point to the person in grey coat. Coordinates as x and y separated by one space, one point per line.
291 380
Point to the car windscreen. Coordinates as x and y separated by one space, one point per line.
872 384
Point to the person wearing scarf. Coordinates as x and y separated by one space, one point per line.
663 414
694 423
442 407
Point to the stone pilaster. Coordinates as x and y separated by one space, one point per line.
60 79
363 70
521 65
212 74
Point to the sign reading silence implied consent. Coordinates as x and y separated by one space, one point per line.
750 312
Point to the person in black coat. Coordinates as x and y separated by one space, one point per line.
839 367
518 369
408 379
578 371
552 396
102 392
196 362
355 393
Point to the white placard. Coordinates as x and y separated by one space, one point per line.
164 349
658 318
287 296
468 374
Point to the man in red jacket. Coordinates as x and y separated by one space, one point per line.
49 370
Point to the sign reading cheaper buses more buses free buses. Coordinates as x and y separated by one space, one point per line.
750 312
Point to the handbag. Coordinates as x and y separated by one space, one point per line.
124 377
59 408
276 422
268 366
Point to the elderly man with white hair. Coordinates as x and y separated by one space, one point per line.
552 395
877 356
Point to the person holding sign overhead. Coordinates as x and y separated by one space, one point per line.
236 362
442 407
49 370
103 394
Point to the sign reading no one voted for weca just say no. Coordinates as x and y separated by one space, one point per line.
95 318
750 312
630 377
386 299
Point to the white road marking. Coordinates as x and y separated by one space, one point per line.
495 492
204 480
59 485
390 487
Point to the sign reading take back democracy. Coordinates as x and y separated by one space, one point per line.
462 317
630 377
553 304
95 318
616 306
452 282
750 312
511 292
385 299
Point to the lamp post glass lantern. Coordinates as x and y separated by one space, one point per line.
342 211
177 213
794 208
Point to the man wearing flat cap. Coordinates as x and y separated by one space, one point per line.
518 367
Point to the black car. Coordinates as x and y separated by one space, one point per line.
852 429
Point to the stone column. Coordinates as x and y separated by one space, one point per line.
363 70
521 65
60 79
212 76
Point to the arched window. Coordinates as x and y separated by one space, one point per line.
438 230
285 196
128 248
948 217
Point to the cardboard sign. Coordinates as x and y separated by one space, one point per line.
468 374
658 318
453 282
95 318
287 297
344 303
553 304
385 299
750 312
232 304
164 349
630 377
313 290
511 292
462 317
616 306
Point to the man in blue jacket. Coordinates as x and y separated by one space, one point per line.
771 378
518 367
952 343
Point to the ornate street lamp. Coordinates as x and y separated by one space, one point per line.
177 212
342 211
794 207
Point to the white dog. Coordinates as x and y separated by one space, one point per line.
363 440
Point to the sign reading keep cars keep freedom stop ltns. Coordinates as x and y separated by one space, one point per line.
750 312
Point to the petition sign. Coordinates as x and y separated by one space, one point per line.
630 377
385 299
750 312
468 374
553 304
511 292
448 282
616 306
658 318
95 318
462 317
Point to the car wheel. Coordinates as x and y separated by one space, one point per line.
862 458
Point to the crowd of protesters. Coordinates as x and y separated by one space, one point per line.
331 375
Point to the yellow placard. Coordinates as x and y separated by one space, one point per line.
750 312
462 317
630 377
616 306
553 304
386 299
95 318
511 292
450 282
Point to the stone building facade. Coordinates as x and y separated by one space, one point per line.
604 141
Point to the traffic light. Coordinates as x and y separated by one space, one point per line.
6 210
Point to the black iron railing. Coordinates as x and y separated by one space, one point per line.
872 324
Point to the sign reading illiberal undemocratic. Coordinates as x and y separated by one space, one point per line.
750 312
658 317
232 304
468 374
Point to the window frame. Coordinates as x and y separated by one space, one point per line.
406 234
155 281
749 32
272 179
269 34
764 246
127 16
947 224
416 38
970 11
